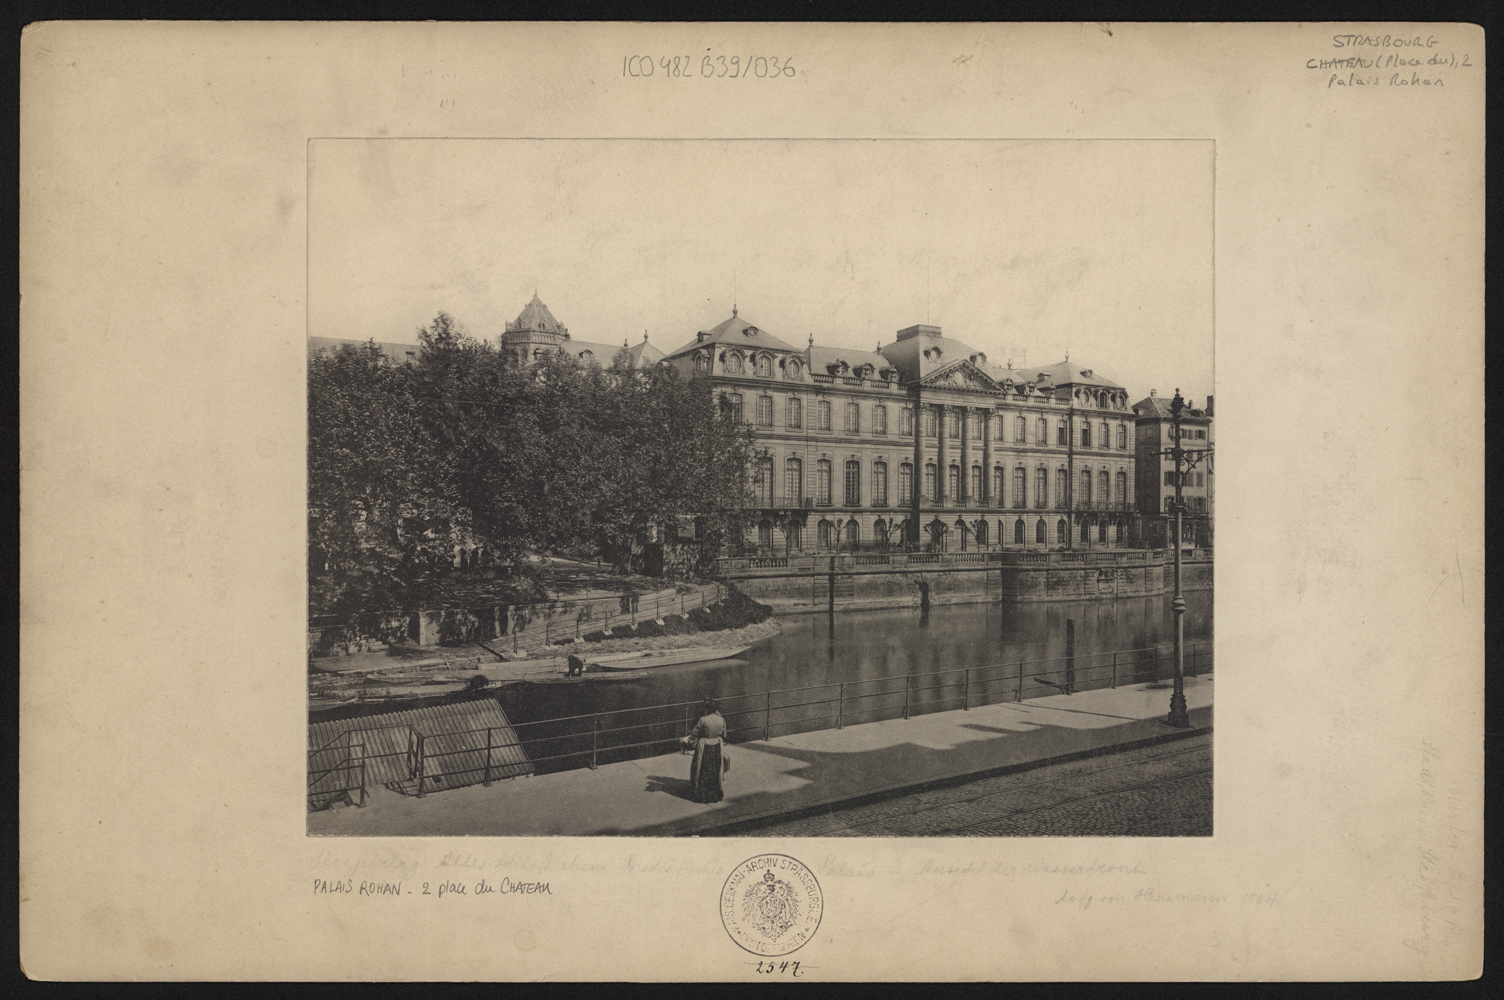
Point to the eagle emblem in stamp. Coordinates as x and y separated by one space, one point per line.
771 905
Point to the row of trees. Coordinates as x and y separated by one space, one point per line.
464 447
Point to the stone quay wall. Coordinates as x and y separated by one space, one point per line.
869 580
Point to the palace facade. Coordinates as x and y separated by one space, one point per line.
922 443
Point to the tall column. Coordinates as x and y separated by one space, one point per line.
965 478
986 418
917 482
941 469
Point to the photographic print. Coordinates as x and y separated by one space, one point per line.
804 488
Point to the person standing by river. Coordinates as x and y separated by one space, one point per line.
707 738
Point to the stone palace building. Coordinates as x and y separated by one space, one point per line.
922 443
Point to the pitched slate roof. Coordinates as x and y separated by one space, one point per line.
1070 373
535 316
400 353
738 332
821 358
1158 407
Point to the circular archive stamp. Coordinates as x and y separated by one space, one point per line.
771 905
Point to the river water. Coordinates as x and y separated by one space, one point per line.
859 666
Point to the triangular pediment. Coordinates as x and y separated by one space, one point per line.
961 375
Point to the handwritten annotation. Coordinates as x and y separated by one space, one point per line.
709 67
503 887
1412 61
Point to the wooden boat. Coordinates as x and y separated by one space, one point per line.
587 679
662 657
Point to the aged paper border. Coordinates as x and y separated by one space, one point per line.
162 358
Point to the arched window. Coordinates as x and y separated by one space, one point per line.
1106 441
822 415
1102 532
1060 532
853 534
1062 487
764 366
905 483
879 419
975 483
930 423
1122 437
1020 497
794 413
538 353
1085 498
1041 482
1086 434
1020 430
763 484
765 411
1042 431
906 422
853 418
734 363
822 482
1039 532
880 533
880 484
930 474
825 534
1018 532
793 481
765 534
997 486
1122 493
853 483
1102 492
982 533
1062 434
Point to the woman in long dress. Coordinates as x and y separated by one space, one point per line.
705 770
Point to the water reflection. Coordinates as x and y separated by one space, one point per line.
862 646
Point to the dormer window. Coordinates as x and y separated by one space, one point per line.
733 361
702 362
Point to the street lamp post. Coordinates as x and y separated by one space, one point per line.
1178 716
1183 465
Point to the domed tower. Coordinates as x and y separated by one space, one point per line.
534 331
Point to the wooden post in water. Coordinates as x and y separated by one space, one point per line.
1070 655
840 703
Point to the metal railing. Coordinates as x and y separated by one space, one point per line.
579 741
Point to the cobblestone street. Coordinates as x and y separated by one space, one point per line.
1158 791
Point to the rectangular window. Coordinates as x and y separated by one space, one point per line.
906 483
1106 441
765 411
1020 431
1200 479
975 485
906 422
1170 478
822 482
1019 485
822 415
853 418
930 423
1201 435
929 482
853 484
793 481
1043 431
879 420
880 483
795 413
954 481
1086 435
1085 497
1122 437
1062 435
953 423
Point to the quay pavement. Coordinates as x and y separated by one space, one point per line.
787 777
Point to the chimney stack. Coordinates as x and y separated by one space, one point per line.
1153 393
1209 399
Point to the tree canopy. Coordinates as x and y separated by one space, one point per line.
465 447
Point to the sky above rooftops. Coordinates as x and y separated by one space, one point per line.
1099 248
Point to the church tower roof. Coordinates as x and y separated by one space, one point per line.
535 318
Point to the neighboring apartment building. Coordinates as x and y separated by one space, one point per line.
1155 488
